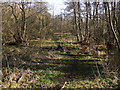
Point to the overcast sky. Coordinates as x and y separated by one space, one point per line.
56 5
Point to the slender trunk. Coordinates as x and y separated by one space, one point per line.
75 21
23 30
79 19
86 28
118 17
87 31
112 27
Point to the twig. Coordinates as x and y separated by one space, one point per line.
98 70
63 86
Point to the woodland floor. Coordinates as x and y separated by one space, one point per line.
39 65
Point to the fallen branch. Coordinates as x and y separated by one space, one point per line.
63 85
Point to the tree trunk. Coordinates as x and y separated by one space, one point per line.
23 30
75 21
112 27
79 21
17 35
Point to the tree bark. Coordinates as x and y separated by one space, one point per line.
79 21
23 30
75 21
112 27
17 35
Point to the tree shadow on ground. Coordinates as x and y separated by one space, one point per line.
71 67
75 66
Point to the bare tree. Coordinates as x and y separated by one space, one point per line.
112 27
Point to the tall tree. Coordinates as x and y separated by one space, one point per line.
112 26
